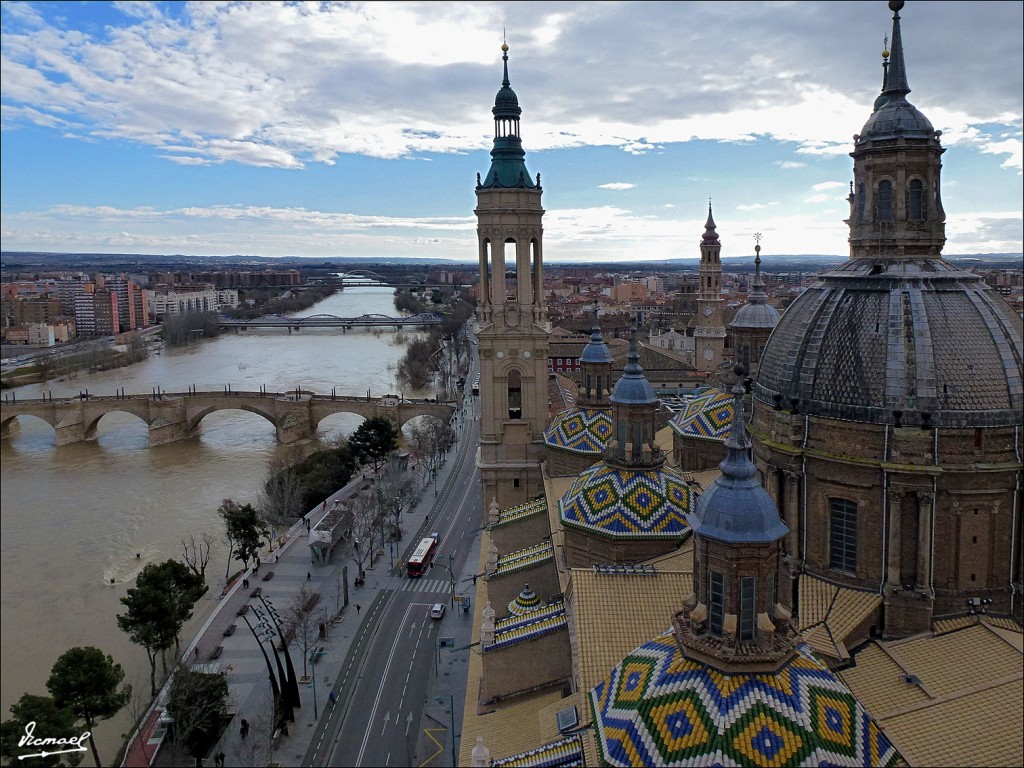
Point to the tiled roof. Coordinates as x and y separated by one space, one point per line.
614 613
524 558
520 511
707 416
515 629
829 613
581 430
628 503
564 752
659 707
962 705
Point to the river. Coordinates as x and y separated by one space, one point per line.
74 517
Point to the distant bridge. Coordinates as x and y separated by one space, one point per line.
173 416
329 321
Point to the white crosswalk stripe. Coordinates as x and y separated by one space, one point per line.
427 585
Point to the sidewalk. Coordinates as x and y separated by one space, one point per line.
226 643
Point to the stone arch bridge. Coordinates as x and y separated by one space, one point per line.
173 416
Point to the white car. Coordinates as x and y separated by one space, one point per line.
437 610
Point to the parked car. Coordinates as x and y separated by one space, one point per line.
437 610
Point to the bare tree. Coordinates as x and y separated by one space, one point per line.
198 702
280 500
256 748
302 623
363 511
197 554
395 491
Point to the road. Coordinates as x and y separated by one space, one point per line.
395 667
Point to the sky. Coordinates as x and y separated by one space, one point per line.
357 129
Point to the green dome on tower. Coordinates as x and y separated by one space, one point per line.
508 160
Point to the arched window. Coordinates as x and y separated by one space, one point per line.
716 602
915 201
843 535
862 200
515 395
885 201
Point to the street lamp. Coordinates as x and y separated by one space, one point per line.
450 574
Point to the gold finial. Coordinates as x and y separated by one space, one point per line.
885 47
757 240
504 47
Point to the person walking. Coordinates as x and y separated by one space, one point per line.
309 576
358 607
243 729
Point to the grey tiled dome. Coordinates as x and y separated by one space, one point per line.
755 316
914 336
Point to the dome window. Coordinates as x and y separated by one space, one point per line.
748 606
915 201
843 535
884 208
716 602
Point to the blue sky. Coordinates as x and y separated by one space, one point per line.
357 129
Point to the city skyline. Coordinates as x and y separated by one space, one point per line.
331 131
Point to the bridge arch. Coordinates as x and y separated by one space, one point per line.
338 425
195 418
11 426
91 425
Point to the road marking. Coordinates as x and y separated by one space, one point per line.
380 691
430 735
408 723
387 719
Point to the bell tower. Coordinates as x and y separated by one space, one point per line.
895 196
511 325
709 333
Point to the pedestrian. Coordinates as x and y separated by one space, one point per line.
474 578
358 607
243 729
197 651
309 576
220 759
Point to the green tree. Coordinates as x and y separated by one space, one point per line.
85 681
198 704
50 721
245 531
149 622
374 440
182 588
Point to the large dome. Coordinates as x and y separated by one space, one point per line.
913 341
755 316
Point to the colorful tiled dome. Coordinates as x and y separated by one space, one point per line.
620 502
708 416
581 430
525 602
660 708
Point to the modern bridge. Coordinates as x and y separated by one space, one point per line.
173 416
329 321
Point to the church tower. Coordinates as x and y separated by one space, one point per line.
512 326
709 335
895 202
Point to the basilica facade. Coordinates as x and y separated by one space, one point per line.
809 596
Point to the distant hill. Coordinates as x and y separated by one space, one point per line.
36 260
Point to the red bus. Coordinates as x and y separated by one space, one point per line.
421 558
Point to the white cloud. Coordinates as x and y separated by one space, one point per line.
616 185
822 186
790 164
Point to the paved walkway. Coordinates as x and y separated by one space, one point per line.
226 642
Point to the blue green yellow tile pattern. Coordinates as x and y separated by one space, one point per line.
564 753
525 602
580 430
628 503
515 629
518 512
707 416
660 708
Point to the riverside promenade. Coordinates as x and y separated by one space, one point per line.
226 644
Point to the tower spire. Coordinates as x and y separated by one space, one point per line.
757 295
895 78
